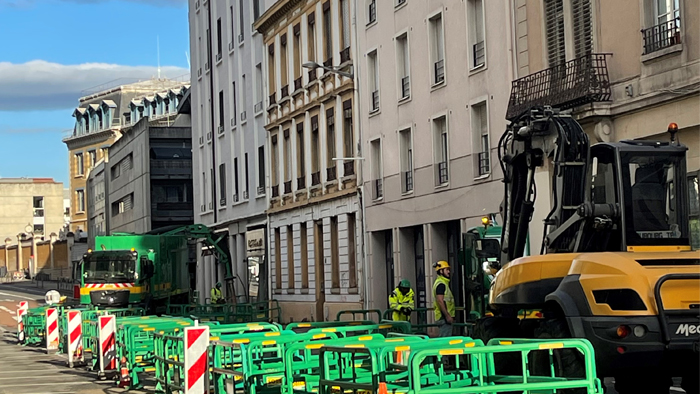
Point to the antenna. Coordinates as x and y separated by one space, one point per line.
158 50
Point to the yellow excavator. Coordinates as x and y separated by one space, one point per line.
616 265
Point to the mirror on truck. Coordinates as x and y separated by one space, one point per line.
487 248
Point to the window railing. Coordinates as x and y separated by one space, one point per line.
345 55
407 181
273 98
275 191
375 100
372 12
297 84
405 87
484 163
567 85
478 54
349 167
316 178
378 189
661 36
442 174
439 71
287 187
285 91
331 174
301 183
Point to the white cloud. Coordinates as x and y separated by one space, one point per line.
40 85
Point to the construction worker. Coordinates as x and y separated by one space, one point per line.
401 301
216 296
443 300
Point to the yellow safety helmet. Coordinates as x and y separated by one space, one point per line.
441 264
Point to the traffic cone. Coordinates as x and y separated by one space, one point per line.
125 379
382 388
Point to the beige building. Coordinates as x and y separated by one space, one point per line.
434 85
30 206
99 120
644 55
314 216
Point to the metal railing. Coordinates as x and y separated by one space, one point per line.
408 181
442 174
287 187
316 178
577 82
478 54
484 163
345 55
301 183
275 191
405 87
661 36
348 168
375 100
378 189
372 12
439 71
330 174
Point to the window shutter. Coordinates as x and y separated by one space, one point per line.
554 24
583 27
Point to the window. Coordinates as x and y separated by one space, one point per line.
261 170
234 102
476 33
406 160
437 48
554 28
373 76
245 190
290 257
372 11
297 57
330 142
218 39
258 87
402 60
221 111
441 151
315 149
80 196
352 257
694 199
93 157
241 23
376 169
235 180
480 132
284 65
304 252
345 37
665 25
327 35
278 259
335 261
301 153
222 184
79 164
274 163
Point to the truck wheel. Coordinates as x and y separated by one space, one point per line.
567 362
488 328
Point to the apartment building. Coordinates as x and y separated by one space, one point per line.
434 87
30 206
632 68
99 119
315 217
229 141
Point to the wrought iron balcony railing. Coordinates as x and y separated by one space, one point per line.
567 85
661 36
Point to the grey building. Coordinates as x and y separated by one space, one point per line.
149 174
229 137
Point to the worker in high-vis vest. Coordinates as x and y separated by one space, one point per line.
401 301
216 296
443 300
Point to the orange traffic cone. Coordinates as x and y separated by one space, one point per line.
125 379
382 388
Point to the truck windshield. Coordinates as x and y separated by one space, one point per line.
109 269
654 199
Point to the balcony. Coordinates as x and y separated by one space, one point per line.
348 168
484 163
439 71
407 181
331 174
297 84
285 91
375 101
405 87
661 36
377 189
301 183
441 173
287 187
478 54
577 82
316 178
345 55
273 99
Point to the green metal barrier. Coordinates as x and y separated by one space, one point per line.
365 313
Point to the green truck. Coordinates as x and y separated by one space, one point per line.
150 269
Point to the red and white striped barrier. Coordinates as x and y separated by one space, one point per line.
108 348
196 360
75 337
51 329
21 311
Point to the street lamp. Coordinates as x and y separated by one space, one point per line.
335 70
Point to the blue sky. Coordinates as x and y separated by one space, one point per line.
53 49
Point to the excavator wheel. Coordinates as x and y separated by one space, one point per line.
567 363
